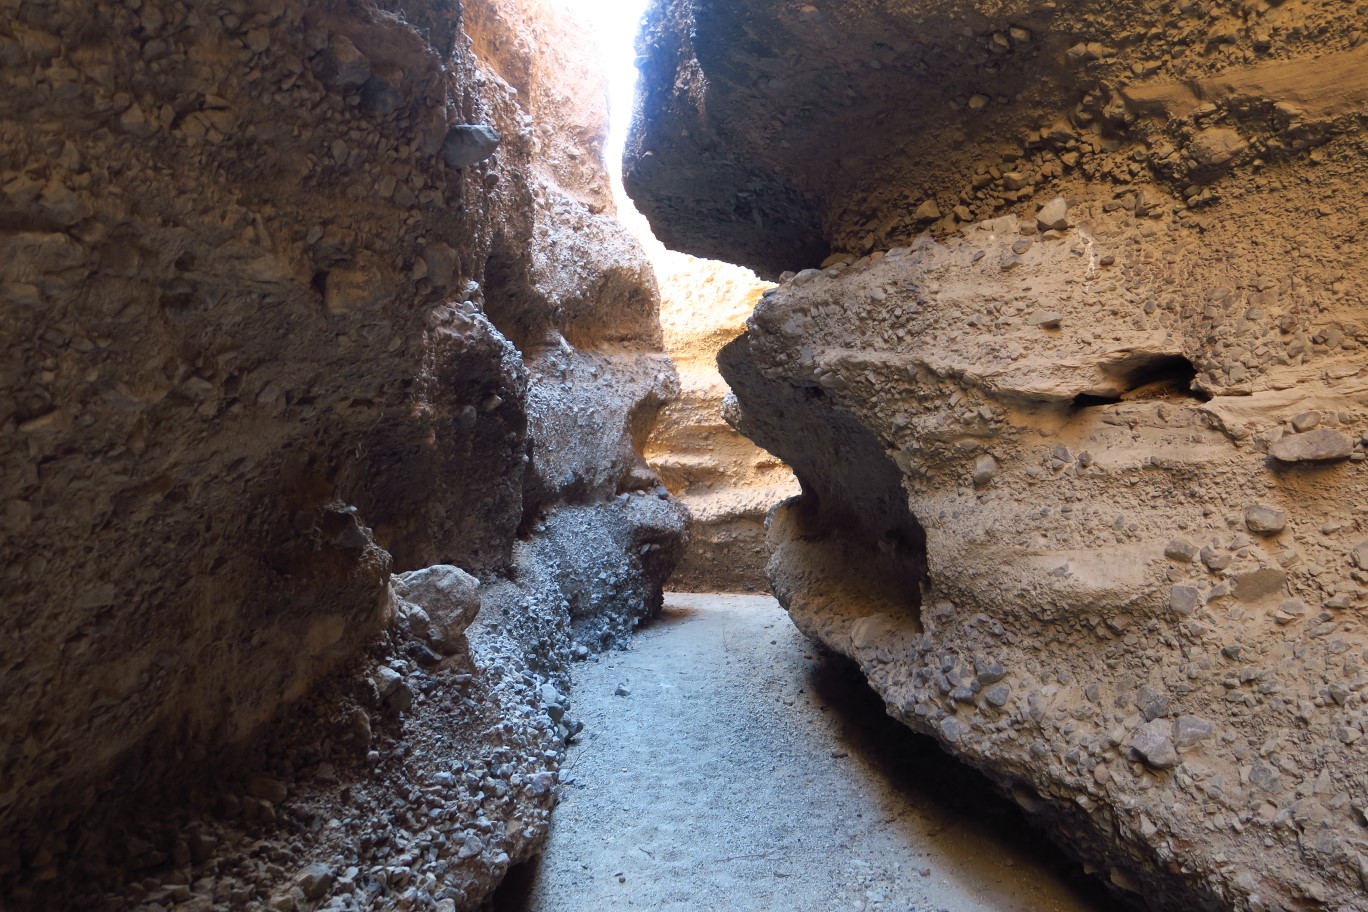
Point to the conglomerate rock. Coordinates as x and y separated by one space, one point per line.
1079 410
762 125
293 295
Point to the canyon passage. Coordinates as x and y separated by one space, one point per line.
727 763
352 422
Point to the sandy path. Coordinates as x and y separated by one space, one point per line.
747 771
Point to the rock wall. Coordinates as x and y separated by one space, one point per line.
725 481
1079 407
767 136
295 295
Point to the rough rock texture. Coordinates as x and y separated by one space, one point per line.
1081 466
295 294
725 481
761 126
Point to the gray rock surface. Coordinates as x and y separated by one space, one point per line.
1323 445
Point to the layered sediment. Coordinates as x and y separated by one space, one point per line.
725 481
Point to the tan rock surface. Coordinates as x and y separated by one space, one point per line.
1027 536
725 481
1045 436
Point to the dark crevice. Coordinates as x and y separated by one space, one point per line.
915 764
515 893
509 301
1142 377
1090 400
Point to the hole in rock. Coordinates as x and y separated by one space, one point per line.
1142 377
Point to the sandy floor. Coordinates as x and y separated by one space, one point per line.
748 771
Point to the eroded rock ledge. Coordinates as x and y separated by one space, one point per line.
1079 415
762 129
296 295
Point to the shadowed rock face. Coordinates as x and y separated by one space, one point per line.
293 295
766 133
1079 421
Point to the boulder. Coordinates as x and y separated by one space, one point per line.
441 602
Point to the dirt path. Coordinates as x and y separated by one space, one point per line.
745 771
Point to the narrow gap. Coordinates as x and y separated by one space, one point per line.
891 757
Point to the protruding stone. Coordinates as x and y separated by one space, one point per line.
1306 421
985 467
1290 611
997 695
467 144
1190 731
1184 600
1264 520
1216 147
1214 559
1360 555
952 729
450 597
343 66
315 880
1054 215
1152 702
992 673
387 680
1153 744
1320 445
928 211
1181 550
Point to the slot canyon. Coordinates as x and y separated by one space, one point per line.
946 492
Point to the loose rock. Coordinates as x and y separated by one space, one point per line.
1263 520
1322 445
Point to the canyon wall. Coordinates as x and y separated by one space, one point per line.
1078 404
725 481
297 295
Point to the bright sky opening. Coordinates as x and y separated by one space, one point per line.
614 24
